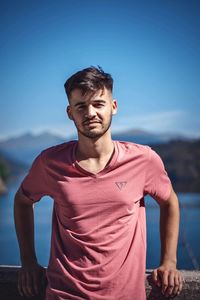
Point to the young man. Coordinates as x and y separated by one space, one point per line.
98 245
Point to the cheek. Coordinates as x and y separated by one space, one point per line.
106 111
77 117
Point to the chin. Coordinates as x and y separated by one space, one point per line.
92 134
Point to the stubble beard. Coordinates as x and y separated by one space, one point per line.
95 134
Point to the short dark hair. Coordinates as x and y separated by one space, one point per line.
89 80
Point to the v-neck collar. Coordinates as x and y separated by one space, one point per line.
106 169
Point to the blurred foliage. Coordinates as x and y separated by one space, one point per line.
4 170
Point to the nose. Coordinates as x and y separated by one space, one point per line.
90 112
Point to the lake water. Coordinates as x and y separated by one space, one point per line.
189 238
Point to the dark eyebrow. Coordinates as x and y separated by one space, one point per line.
100 101
79 103
96 101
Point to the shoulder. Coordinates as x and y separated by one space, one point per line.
129 148
57 152
133 151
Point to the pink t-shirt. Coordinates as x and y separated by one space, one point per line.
98 245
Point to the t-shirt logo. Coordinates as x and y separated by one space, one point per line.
121 184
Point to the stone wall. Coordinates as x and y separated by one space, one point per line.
191 288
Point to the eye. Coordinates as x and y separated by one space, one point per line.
81 107
98 105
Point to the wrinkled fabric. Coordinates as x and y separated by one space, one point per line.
98 244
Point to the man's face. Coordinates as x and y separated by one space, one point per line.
92 113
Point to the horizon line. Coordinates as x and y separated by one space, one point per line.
114 132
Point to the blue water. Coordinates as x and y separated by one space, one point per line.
189 237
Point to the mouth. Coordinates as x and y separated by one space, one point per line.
91 122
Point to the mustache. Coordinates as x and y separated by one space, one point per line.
87 121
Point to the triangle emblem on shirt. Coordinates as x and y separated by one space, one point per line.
121 184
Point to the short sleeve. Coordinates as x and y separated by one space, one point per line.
157 182
34 186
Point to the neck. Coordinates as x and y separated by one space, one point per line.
94 148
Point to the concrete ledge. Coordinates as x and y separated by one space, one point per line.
191 288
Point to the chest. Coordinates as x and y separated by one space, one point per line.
111 198
121 188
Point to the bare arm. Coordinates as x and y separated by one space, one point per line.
167 275
24 224
29 280
169 229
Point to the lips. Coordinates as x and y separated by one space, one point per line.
91 122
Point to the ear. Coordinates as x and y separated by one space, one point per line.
69 112
114 107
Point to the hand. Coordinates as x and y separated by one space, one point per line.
169 279
30 279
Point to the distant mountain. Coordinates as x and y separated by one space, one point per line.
182 162
12 166
145 137
181 155
9 170
26 147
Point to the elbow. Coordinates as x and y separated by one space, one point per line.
172 202
20 200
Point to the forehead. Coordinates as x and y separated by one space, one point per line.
77 95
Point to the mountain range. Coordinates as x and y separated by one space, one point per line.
26 147
180 154
10 169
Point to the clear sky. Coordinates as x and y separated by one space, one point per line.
151 48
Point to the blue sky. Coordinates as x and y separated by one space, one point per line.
151 48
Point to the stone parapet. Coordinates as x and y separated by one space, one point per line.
191 287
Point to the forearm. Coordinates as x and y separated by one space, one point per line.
169 228
24 224
32 275
166 275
